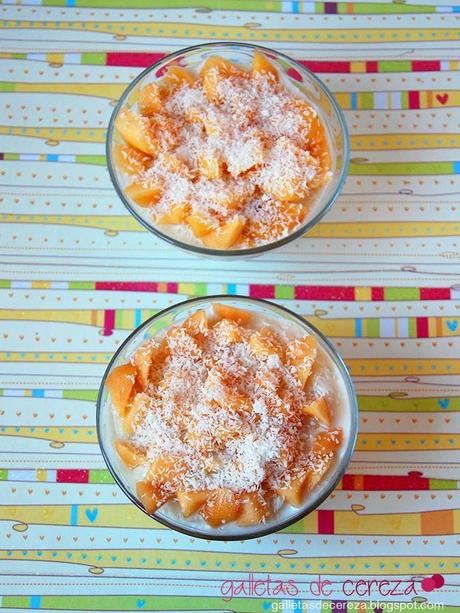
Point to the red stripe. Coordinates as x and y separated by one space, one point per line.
434 293
422 327
127 286
377 294
348 482
426 65
326 66
262 291
320 292
141 60
372 67
325 522
172 288
395 482
414 99
109 322
72 476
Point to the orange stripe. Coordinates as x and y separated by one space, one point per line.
437 522
358 482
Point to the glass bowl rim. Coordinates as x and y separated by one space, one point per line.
198 249
302 512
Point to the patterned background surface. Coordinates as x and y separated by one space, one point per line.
380 275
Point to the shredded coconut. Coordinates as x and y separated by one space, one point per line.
242 152
233 415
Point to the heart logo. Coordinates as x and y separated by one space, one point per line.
91 514
140 604
452 324
442 98
266 606
444 403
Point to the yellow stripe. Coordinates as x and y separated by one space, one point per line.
55 135
100 90
407 442
382 142
167 559
129 516
64 316
56 357
377 229
215 32
66 434
397 367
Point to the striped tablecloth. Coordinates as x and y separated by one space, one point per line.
380 275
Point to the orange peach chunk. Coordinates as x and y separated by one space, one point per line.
260 64
132 456
190 502
320 409
221 507
144 193
120 385
225 311
226 235
136 131
254 509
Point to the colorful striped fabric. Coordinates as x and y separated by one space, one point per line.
379 276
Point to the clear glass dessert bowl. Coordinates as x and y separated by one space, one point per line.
300 82
330 375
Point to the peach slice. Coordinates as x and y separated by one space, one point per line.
120 384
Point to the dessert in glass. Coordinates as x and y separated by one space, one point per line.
227 149
227 418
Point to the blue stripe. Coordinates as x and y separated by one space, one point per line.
354 101
359 328
35 602
74 515
456 168
455 9
137 317
38 393
70 2
52 157
231 289
295 6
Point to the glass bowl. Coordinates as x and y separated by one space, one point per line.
346 416
302 82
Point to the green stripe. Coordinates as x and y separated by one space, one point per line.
201 289
81 285
99 160
409 405
7 87
284 292
88 395
5 284
3 474
11 157
367 101
401 293
119 320
235 5
100 476
395 66
139 602
443 484
402 168
94 58
404 100
394 8
412 328
373 328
